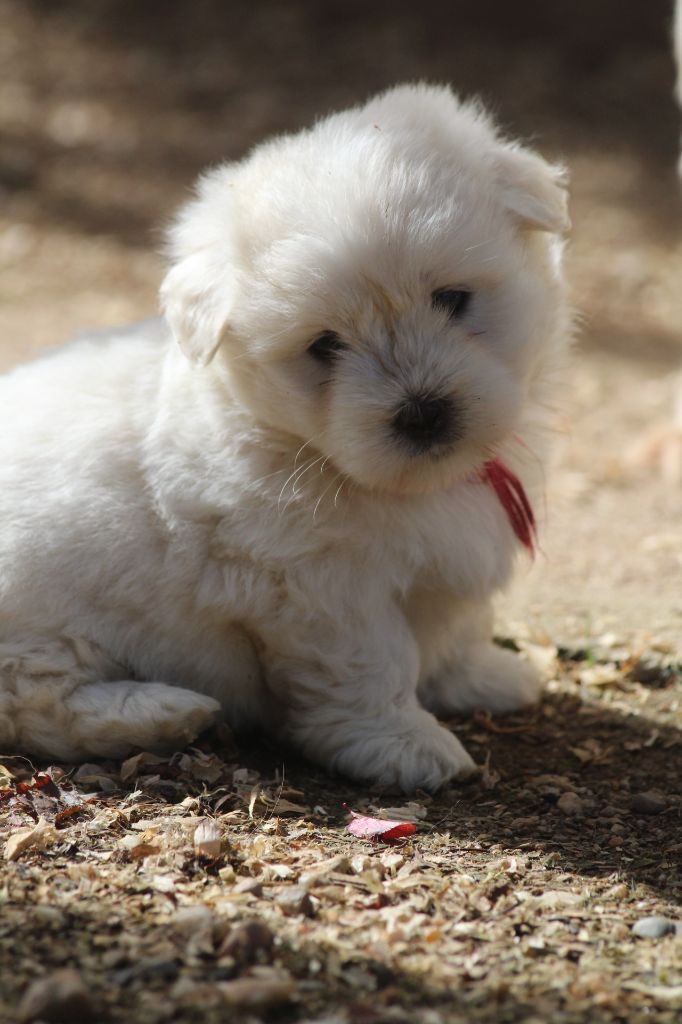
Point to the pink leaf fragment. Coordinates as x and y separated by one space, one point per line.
376 828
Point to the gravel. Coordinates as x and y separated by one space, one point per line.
648 803
655 927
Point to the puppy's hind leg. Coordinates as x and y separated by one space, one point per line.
61 698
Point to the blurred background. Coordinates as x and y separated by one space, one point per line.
109 108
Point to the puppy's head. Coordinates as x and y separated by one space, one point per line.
380 286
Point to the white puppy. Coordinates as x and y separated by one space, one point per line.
295 501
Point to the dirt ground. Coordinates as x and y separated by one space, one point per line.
515 898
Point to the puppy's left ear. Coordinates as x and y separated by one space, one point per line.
533 191
196 307
199 290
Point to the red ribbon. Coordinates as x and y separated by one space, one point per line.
512 498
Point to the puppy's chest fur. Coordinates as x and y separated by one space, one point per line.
361 567
362 546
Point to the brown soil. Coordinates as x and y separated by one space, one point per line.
507 905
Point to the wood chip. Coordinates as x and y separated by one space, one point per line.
207 839
38 837
256 994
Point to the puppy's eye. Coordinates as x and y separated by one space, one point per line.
453 301
327 347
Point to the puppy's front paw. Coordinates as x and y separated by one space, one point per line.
491 678
408 751
426 759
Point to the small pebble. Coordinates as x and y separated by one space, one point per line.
190 920
522 823
248 942
296 901
250 886
570 803
618 892
648 803
654 927
58 998
18 168
165 969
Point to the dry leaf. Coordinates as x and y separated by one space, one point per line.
253 797
553 899
600 675
489 776
63 817
286 807
94 775
143 850
484 719
365 827
411 811
202 766
38 837
131 767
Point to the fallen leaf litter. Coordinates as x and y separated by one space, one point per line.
208 886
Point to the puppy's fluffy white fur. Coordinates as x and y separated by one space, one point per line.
201 515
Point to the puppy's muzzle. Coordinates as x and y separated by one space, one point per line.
425 421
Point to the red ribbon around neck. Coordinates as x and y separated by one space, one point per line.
513 499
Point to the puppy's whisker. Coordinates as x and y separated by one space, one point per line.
269 476
292 476
301 470
302 448
295 487
234 358
339 489
262 479
479 245
296 479
324 492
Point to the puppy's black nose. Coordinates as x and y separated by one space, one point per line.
425 420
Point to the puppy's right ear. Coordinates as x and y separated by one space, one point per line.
198 291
